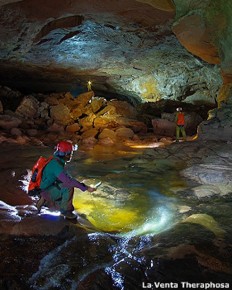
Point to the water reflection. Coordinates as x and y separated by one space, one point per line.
134 197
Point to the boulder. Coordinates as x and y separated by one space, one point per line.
107 141
87 122
32 132
163 127
55 128
124 133
16 132
107 133
123 108
73 128
90 133
8 122
97 104
61 114
83 99
28 108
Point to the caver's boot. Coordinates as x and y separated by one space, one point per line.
40 203
68 215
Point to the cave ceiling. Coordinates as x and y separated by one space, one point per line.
144 49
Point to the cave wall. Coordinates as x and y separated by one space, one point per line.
204 29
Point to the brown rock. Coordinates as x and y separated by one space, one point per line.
90 133
16 132
97 103
61 114
107 133
87 122
8 122
55 128
83 99
163 127
124 133
73 128
193 34
28 107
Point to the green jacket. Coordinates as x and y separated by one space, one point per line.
51 172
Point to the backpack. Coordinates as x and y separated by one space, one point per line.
180 119
36 177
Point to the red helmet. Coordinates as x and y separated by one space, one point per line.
64 147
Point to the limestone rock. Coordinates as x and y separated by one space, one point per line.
84 98
107 133
55 128
7 122
124 133
1 108
218 125
163 127
32 132
90 133
16 132
73 128
97 103
196 37
87 122
206 221
61 114
28 107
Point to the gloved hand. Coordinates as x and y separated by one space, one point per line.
91 189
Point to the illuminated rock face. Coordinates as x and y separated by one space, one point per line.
129 49
205 30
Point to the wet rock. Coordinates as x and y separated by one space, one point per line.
206 221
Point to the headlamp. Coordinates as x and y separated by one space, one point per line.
75 147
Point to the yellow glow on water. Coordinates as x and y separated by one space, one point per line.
110 152
153 145
104 214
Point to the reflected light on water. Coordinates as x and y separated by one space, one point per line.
50 215
107 215
46 211
159 220
151 145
